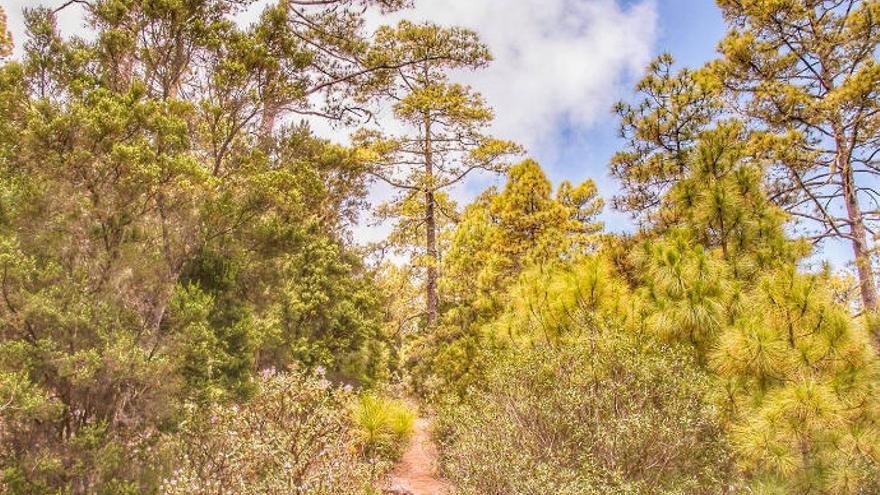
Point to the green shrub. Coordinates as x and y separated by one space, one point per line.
614 416
294 436
383 426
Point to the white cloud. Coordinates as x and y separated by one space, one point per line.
558 63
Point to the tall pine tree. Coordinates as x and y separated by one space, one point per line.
805 74
445 142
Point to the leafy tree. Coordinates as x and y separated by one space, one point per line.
805 75
447 142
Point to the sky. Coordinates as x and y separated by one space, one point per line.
559 67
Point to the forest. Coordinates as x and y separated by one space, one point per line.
185 307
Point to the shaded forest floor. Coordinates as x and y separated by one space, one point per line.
416 473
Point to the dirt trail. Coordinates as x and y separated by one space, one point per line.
416 473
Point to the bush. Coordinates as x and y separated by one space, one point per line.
295 436
383 426
614 416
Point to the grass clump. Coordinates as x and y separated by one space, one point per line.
384 426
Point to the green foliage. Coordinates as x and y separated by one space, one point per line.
162 237
166 232
805 76
796 374
565 302
688 291
813 95
525 224
5 37
618 415
800 379
503 233
660 130
795 371
383 426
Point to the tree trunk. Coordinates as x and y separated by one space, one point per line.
267 120
430 229
857 231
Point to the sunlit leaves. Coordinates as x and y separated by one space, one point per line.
5 37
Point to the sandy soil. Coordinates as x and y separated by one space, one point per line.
416 474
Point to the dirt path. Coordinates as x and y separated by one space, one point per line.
416 473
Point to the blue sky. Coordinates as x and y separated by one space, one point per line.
559 67
690 31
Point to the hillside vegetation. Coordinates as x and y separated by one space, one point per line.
184 308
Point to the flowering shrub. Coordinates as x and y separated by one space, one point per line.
616 416
294 437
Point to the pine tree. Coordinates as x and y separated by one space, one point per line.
502 234
805 73
798 379
722 201
660 130
796 373
447 142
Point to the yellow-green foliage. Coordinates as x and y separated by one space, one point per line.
686 289
800 381
383 425
565 302
796 373
793 373
5 37
524 227
660 131
505 232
